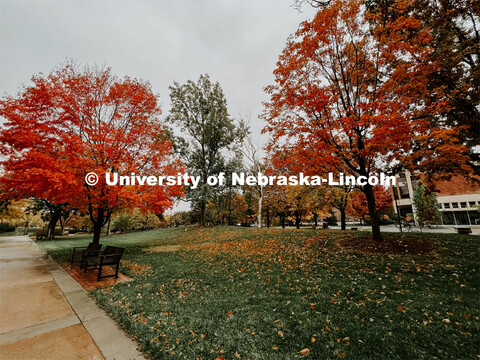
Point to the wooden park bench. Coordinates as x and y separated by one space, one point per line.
463 230
81 253
110 256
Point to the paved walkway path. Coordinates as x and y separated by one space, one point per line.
45 314
442 229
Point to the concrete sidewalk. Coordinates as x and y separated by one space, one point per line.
45 314
441 229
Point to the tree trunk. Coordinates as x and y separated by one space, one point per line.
25 231
372 212
229 216
218 211
282 219
259 216
62 226
109 226
98 226
268 217
97 230
202 213
51 227
297 218
51 230
343 219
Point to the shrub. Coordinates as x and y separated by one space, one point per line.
6 227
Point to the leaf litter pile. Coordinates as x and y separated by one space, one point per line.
236 293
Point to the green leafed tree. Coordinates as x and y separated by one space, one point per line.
426 206
52 214
209 136
124 222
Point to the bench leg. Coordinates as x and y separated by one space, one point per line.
100 271
83 261
116 271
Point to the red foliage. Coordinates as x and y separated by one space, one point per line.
337 94
348 93
73 122
358 206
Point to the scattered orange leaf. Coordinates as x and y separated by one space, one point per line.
305 351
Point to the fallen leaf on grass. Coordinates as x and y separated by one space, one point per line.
305 351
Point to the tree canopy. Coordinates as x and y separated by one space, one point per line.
79 120
208 133
347 93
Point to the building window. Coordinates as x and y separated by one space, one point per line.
463 204
446 205
448 218
455 205
471 203
402 186
474 217
462 218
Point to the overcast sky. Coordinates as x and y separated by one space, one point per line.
236 42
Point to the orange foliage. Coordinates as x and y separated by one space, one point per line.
357 205
348 93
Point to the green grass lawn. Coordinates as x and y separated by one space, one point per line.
231 293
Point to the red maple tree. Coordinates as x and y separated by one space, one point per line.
347 93
75 121
358 207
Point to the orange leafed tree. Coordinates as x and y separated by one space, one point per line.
75 121
346 94
357 205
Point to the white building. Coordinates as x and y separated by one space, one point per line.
458 199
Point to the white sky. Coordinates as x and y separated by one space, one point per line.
236 42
